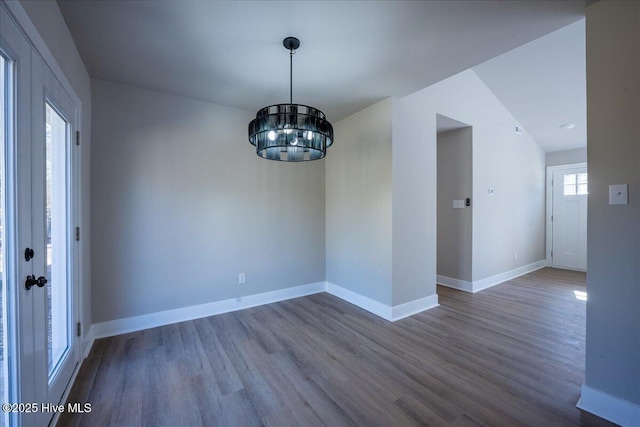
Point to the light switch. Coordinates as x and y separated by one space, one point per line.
619 194
458 204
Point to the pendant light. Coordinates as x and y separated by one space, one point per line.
291 132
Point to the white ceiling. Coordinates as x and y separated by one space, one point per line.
352 54
544 85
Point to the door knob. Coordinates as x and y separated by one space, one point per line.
28 254
32 281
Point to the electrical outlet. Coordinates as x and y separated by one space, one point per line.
515 256
619 194
242 278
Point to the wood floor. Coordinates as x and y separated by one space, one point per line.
512 355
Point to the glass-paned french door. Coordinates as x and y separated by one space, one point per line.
38 251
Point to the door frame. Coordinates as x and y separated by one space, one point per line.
549 204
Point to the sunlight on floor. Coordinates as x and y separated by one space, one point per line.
581 295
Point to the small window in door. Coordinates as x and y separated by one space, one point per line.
576 184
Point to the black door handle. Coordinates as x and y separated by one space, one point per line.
28 254
32 281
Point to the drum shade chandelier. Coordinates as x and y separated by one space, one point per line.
291 132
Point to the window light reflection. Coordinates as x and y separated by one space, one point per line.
580 295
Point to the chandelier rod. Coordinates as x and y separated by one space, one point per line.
291 52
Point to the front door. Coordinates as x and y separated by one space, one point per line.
569 218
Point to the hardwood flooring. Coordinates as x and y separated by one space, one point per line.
511 355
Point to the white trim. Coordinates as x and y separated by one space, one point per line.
37 42
487 282
65 395
609 407
413 307
385 311
152 320
365 303
450 282
549 206
87 342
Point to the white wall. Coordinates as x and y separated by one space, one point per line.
47 19
455 170
181 204
578 155
358 203
512 220
613 282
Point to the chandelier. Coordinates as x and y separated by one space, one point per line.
291 132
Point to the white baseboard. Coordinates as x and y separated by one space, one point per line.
485 283
87 342
450 282
413 307
488 282
152 320
385 311
365 303
609 407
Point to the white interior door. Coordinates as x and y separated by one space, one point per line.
569 218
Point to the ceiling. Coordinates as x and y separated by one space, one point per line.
352 53
544 85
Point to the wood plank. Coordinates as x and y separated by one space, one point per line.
512 354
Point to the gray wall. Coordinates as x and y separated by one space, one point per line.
454 183
613 282
578 155
49 22
358 203
181 204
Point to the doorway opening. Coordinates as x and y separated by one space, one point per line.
454 204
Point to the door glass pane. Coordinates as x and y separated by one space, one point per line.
582 178
570 179
4 368
583 186
58 319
